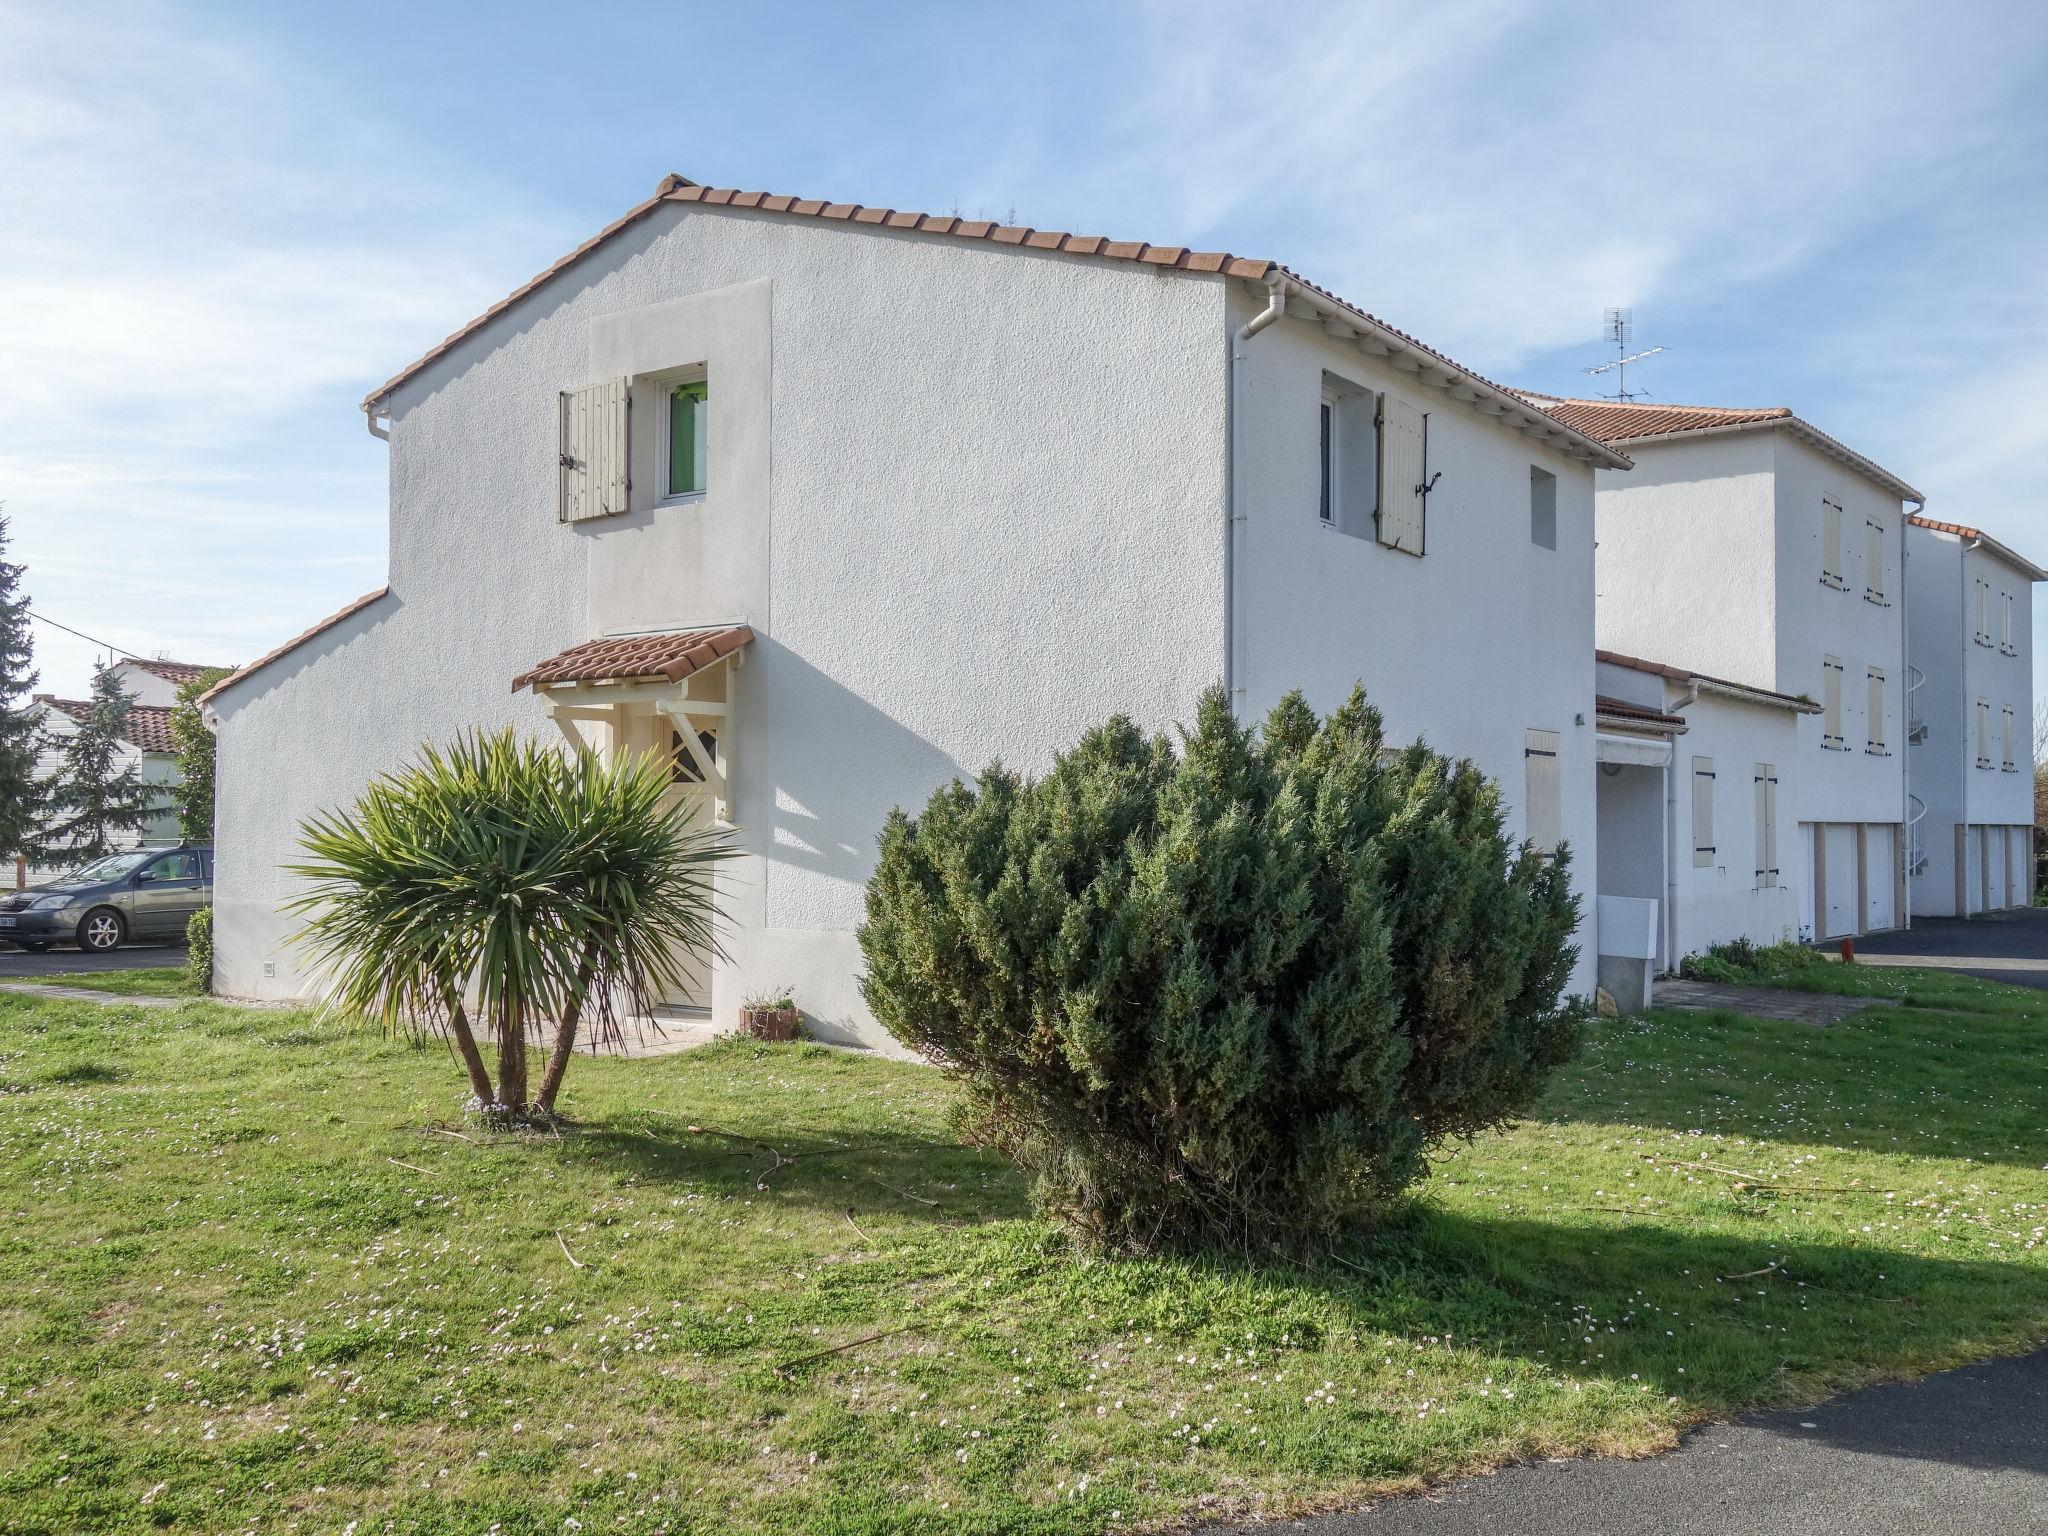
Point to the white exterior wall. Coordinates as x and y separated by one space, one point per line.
971 500
159 768
1687 557
1817 620
1710 556
1961 798
145 687
1483 638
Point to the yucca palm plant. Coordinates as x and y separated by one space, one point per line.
510 886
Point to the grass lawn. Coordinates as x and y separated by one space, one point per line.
153 981
254 1276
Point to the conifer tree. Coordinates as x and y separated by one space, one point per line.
98 793
193 742
21 736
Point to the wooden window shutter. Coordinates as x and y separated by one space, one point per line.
1831 541
1873 562
2008 738
1544 786
1766 826
592 477
1403 468
1702 812
1873 727
1831 702
1983 734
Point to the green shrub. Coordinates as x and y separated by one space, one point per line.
199 954
1231 994
1745 961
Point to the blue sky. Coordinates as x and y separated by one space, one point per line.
224 224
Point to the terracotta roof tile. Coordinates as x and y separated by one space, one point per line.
295 642
1688 676
2011 556
149 725
621 657
1629 423
1621 709
179 672
679 189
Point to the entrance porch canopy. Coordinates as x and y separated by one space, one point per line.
680 676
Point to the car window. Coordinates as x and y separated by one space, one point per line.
174 866
112 867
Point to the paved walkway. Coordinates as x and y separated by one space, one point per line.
1816 1008
1960 1454
87 995
1999 946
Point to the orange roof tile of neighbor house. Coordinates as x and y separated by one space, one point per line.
2011 556
148 728
1628 423
622 658
295 642
179 672
1168 258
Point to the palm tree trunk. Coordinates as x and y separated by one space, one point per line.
565 1037
466 1048
512 1061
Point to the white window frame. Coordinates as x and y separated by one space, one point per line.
664 386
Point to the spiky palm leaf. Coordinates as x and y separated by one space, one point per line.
510 882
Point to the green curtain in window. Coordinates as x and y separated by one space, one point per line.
686 412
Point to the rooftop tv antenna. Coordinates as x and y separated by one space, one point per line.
1619 328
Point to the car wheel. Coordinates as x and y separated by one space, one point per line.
101 930
37 946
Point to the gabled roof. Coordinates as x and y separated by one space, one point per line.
1621 712
294 643
2011 557
1709 684
1430 364
1634 422
625 658
149 725
179 672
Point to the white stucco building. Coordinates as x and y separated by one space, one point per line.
1694 770
1752 546
842 502
1970 725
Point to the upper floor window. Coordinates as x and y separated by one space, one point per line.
2006 643
1983 733
1831 703
1831 543
1983 635
1542 507
1873 725
1873 562
1348 445
2009 765
685 438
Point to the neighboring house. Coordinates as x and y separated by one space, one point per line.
1767 553
1970 695
1693 772
838 503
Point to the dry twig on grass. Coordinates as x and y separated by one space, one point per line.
573 1260
839 1349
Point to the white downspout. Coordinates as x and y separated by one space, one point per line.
1234 666
1671 956
1908 838
370 415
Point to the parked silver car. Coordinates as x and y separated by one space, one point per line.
148 894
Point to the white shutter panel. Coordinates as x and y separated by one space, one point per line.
1766 826
1702 812
592 480
1543 786
1831 702
1873 561
2008 737
1873 728
1402 472
1831 534
1983 734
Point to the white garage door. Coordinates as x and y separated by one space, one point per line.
1877 884
1838 845
2022 857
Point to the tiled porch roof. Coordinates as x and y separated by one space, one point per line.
1623 712
620 658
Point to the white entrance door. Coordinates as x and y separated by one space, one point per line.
1877 877
1838 906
